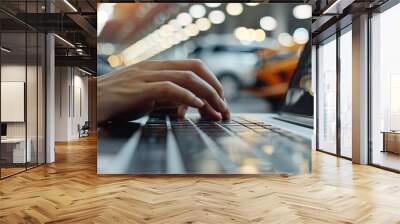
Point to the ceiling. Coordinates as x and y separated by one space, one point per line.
73 20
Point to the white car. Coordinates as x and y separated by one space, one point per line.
232 64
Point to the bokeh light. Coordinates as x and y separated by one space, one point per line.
213 5
259 35
285 39
234 9
114 60
252 3
191 30
302 12
197 11
268 23
184 19
300 36
203 24
217 17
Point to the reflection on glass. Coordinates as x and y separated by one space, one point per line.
327 97
346 94
41 99
31 99
385 86
22 91
15 149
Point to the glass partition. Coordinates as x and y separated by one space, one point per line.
35 88
346 93
41 96
385 89
31 99
327 96
15 149
22 89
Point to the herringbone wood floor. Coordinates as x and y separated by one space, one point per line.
70 191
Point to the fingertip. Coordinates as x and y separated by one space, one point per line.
181 111
218 116
197 102
226 115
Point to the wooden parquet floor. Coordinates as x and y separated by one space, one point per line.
70 191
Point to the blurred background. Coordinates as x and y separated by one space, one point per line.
252 48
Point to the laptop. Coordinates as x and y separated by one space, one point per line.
269 143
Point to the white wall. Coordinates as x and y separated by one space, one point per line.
13 100
81 83
12 73
16 73
61 103
33 126
70 83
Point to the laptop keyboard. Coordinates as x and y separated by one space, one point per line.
150 154
236 146
192 147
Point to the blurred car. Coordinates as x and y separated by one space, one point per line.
233 64
275 66
274 70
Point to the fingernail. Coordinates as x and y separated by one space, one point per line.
198 102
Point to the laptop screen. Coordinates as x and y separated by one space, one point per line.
299 98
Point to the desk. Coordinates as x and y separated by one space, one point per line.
13 150
391 141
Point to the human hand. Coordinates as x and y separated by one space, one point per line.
134 91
